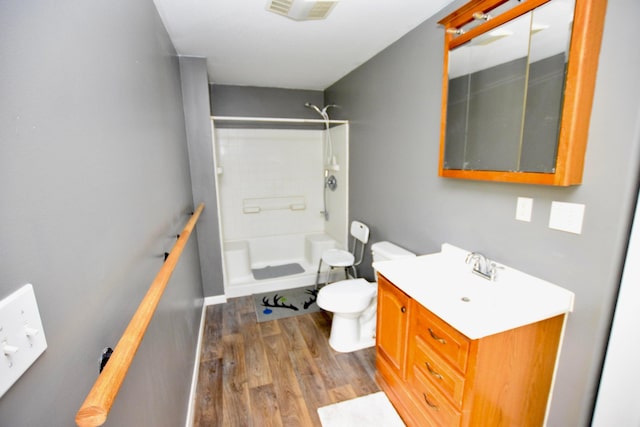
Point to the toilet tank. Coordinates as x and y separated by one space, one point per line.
386 251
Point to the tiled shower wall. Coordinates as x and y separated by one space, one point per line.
275 165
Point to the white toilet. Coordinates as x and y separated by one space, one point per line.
354 303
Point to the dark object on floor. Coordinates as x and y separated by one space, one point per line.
285 303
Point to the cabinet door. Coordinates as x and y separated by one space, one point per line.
393 321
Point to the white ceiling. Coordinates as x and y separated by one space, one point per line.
246 45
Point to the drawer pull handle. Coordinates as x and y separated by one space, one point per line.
432 372
431 405
403 309
437 338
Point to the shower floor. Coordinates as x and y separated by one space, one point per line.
274 271
280 276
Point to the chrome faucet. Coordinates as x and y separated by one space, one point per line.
482 266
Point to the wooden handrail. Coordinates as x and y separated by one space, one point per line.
97 405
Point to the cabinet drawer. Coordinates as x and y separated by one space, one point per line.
447 342
442 375
432 404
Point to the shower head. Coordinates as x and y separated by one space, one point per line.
322 112
326 107
308 105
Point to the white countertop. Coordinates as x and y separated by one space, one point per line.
440 281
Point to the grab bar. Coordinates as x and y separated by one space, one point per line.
260 204
96 407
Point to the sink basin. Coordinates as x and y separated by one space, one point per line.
445 285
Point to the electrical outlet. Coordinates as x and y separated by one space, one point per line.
22 338
523 209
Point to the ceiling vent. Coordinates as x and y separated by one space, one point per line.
302 10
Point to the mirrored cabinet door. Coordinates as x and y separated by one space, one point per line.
518 86
487 96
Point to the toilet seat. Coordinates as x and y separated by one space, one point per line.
347 296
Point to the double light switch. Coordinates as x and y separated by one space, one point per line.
22 338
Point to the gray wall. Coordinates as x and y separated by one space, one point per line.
393 103
253 101
95 183
195 93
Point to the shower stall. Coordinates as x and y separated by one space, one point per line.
282 199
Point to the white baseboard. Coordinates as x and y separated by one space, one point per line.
196 370
218 299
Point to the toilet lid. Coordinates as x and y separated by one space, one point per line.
347 295
351 287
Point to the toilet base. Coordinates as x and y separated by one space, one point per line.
353 346
347 334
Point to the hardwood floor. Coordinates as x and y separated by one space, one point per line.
275 373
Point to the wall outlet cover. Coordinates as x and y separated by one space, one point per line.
566 217
523 209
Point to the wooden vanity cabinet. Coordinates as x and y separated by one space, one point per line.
392 329
393 307
436 376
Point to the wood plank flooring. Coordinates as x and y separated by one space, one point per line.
276 373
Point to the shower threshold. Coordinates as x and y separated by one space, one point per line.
254 284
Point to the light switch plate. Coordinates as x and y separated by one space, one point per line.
566 217
523 209
22 338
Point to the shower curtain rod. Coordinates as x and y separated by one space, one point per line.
275 120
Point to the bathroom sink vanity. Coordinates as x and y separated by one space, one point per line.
455 349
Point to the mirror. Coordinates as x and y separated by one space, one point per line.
505 107
487 95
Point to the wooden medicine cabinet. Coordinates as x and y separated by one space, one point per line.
518 85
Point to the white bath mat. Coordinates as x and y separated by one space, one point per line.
372 410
